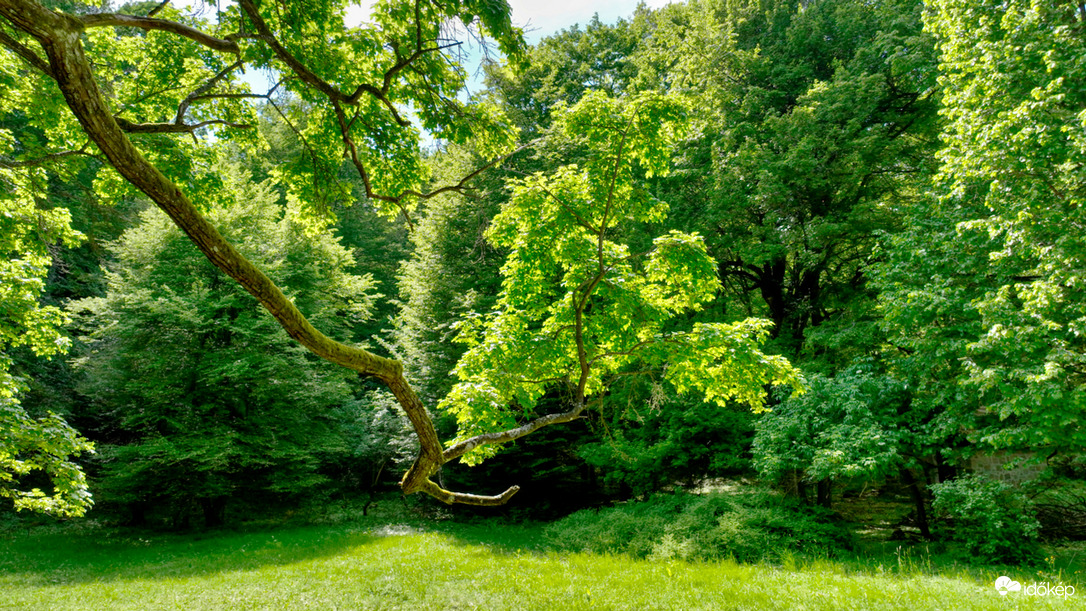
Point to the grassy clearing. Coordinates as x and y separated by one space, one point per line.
368 565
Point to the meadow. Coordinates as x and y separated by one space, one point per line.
378 563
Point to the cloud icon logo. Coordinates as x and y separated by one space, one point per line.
1005 584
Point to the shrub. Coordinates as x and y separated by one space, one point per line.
993 522
747 526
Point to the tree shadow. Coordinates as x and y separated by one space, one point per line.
107 554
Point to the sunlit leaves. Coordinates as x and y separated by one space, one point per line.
28 445
1008 309
579 305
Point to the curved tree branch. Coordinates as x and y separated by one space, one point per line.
98 20
59 36
173 128
459 449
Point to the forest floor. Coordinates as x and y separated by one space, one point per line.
393 561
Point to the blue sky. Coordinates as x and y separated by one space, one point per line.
542 18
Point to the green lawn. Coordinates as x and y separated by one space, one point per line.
369 566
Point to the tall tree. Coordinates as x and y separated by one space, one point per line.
991 326
196 396
581 302
35 453
817 115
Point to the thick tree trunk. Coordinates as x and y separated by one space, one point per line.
919 502
824 493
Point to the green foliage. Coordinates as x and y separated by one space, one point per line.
812 118
992 520
843 427
579 305
649 444
452 272
981 292
746 526
33 448
386 144
561 68
1015 140
377 438
199 394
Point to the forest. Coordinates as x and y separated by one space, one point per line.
793 290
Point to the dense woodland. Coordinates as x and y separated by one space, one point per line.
824 248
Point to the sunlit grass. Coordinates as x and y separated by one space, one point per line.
369 566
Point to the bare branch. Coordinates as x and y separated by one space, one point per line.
459 449
173 128
154 11
97 20
445 496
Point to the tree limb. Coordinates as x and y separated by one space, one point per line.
97 20
463 447
24 52
173 128
46 159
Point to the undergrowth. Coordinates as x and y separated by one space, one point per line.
745 526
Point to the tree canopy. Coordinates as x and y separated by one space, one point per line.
151 97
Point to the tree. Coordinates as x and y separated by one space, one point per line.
198 397
981 292
1015 145
562 68
355 82
813 117
34 452
580 304
845 427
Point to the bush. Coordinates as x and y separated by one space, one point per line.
993 522
747 526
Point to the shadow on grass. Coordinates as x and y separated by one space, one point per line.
106 554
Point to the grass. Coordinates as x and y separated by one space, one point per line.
369 564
